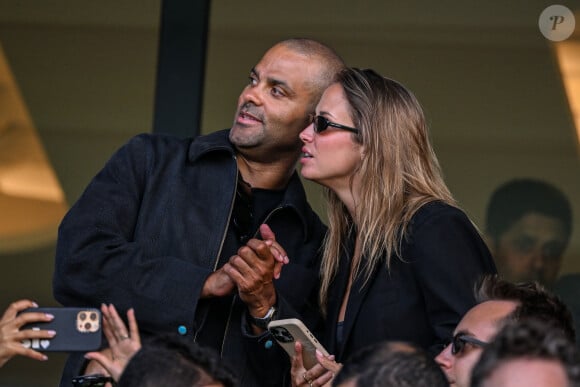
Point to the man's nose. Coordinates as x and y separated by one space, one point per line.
445 358
251 94
538 260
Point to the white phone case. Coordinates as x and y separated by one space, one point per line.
288 331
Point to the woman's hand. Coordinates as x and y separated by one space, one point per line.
11 336
277 250
123 344
321 374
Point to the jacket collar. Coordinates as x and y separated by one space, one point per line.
295 198
216 141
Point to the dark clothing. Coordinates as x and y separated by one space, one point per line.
154 224
567 287
423 296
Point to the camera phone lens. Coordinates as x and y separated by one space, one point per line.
83 316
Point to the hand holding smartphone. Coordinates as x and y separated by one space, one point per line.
77 329
288 331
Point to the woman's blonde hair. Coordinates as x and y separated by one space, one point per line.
399 173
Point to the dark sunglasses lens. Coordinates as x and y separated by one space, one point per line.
457 345
320 124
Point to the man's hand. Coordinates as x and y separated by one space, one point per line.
218 284
252 269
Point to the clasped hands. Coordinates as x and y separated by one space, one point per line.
251 272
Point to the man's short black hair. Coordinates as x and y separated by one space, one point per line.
519 197
392 364
528 339
534 301
175 360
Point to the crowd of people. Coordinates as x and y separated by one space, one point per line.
202 242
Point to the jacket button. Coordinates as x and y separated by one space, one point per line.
182 330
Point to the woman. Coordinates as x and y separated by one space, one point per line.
400 258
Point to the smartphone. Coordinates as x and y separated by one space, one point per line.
288 331
77 330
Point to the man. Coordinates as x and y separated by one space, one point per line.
499 301
528 353
162 227
174 360
528 226
390 364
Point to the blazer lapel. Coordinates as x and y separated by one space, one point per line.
358 293
337 289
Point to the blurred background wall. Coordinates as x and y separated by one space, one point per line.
488 80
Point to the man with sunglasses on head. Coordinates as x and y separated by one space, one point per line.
499 301
173 228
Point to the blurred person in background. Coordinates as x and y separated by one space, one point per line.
528 226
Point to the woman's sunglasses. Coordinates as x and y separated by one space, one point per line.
320 124
460 340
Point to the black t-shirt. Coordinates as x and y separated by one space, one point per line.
248 214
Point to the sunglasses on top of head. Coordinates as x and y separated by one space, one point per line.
93 380
320 124
460 340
